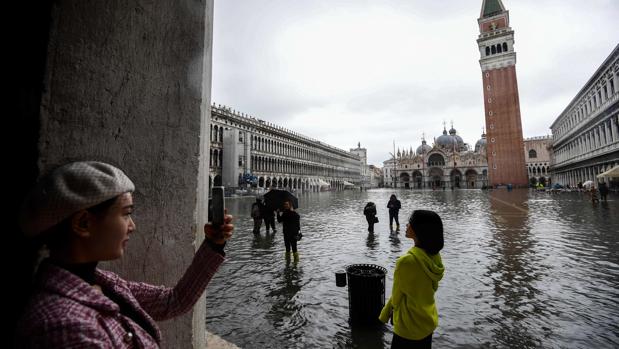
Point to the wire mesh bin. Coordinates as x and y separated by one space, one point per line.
366 292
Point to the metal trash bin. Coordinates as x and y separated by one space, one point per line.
366 292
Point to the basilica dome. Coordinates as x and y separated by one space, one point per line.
423 148
480 143
452 132
446 141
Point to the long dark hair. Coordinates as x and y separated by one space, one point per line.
428 228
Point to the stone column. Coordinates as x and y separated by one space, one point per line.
128 83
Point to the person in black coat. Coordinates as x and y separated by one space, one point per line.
394 208
370 215
269 218
257 208
291 225
603 188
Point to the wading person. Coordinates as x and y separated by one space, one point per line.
603 187
370 215
394 208
269 218
291 226
257 208
411 306
82 213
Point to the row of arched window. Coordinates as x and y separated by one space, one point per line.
494 49
537 170
275 147
217 133
601 135
216 158
588 103
264 164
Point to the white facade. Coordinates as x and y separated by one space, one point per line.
586 134
366 174
449 162
537 158
263 155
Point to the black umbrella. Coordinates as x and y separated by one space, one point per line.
275 198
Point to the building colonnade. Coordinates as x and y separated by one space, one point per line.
586 133
276 157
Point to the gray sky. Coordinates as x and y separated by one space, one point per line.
376 71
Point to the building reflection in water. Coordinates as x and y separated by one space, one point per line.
512 274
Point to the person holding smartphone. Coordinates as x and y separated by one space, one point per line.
82 213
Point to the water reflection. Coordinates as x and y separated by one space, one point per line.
394 238
371 242
523 269
263 241
512 273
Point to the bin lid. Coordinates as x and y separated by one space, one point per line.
366 270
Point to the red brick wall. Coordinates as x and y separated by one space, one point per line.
503 125
500 23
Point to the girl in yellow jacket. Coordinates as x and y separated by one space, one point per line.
411 307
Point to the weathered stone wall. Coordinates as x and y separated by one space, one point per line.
128 82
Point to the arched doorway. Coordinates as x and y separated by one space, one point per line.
456 177
471 177
405 179
417 179
436 177
217 181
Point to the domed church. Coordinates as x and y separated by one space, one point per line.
448 163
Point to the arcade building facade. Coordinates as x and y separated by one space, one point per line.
248 152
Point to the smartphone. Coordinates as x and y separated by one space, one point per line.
217 206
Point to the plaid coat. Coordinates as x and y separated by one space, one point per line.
66 312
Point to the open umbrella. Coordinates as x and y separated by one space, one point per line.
612 173
587 184
275 198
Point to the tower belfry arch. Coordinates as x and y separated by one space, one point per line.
506 164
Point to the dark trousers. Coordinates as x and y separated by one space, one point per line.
269 222
257 225
392 216
370 220
402 343
290 240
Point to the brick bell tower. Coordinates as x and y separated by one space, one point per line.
505 146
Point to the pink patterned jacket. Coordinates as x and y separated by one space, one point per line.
66 312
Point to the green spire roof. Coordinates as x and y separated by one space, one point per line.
492 7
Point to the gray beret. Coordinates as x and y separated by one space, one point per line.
68 189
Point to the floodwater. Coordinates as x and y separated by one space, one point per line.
522 270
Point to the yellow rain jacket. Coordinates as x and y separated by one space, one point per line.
415 280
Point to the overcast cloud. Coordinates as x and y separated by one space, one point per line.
379 71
